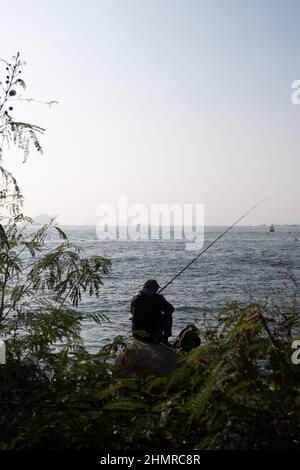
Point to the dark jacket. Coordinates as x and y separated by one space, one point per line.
152 313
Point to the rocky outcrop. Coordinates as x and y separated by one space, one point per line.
145 359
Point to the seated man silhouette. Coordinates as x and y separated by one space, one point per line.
151 315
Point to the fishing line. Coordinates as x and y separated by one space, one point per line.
212 243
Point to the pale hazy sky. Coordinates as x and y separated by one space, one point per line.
163 101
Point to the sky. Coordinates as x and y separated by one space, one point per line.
160 101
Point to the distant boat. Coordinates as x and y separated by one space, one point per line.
272 228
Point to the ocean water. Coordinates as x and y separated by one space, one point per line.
248 263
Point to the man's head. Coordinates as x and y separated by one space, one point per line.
151 285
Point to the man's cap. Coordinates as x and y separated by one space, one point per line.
151 284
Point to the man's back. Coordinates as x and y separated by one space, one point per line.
149 312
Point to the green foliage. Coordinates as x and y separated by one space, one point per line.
23 135
40 290
239 390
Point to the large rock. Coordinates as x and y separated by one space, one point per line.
145 359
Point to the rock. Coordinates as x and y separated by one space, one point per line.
145 359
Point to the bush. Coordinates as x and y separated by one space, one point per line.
245 396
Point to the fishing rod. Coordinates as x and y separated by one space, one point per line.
211 244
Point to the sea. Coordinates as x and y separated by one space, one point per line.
248 264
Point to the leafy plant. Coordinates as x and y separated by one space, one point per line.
242 396
41 288
22 134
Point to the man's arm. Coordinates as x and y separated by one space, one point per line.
137 317
132 306
165 306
